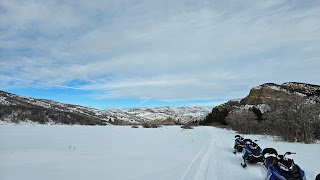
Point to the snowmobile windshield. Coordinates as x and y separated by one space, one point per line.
253 146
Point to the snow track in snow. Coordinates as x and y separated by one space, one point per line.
216 161
194 162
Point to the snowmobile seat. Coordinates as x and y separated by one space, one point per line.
247 141
269 151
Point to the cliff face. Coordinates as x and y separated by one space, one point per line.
261 98
269 92
265 94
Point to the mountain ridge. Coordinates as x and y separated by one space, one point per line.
14 108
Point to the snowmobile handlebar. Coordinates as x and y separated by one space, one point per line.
273 151
285 154
289 153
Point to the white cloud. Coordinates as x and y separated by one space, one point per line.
159 49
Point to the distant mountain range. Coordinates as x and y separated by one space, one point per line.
14 108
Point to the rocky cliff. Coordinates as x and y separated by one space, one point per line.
270 92
262 97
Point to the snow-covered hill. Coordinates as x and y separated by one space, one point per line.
16 108
179 114
40 152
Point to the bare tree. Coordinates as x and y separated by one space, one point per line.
294 120
243 121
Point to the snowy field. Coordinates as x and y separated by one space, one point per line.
38 152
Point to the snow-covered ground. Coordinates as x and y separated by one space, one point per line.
40 152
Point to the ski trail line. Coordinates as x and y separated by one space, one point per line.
202 170
210 169
193 161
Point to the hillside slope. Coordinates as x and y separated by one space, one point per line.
14 108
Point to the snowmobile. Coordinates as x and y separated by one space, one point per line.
279 167
252 152
238 144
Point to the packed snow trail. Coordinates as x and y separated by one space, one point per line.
218 162
123 153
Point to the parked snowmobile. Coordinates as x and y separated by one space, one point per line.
251 152
279 167
238 144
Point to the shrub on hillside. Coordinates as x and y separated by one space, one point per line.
216 116
244 122
149 125
292 120
186 126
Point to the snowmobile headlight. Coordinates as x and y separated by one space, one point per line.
283 167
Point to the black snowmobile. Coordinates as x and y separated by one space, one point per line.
252 153
238 144
279 167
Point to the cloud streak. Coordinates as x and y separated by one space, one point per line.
159 50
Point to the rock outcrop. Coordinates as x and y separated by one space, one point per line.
261 97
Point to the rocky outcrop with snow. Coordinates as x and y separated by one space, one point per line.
262 97
269 92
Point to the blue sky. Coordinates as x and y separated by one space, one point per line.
142 53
